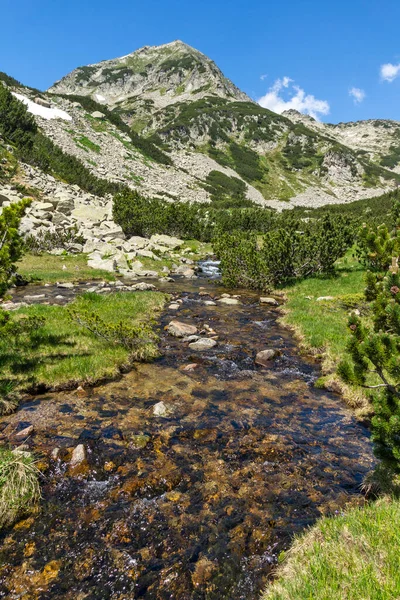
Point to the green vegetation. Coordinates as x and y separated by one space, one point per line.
226 192
19 485
142 216
86 144
375 210
321 325
81 343
47 268
392 159
347 557
11 245
374 348
291 250
376 245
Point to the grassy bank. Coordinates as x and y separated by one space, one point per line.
62 352
19 485
47 268
349 557
320 325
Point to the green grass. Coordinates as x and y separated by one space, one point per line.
349 557
19 485
47 268
86 144
61 352
321 326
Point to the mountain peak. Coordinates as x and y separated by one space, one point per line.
159 75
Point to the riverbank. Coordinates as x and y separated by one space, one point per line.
346 557
61 353
317 310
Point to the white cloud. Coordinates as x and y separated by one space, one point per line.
298 99
357 95
262 77
389 72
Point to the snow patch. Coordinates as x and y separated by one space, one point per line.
42 111
100 98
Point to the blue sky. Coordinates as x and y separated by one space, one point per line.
310 51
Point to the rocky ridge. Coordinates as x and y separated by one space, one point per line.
154 75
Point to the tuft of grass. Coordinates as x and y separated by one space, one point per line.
19 485
47 268
348 557
61 353
86 144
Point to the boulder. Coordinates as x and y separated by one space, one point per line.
143 287
98 115
136 242
185 271
203 344
180 330
42 102
265 356
229 301
97 262
269 301
147 254
90 213
167 240
78 456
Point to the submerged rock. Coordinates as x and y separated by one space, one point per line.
24 433
78 456
161 410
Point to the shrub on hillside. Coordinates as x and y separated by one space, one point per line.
11 244
374 363
284 253
145 217
376 245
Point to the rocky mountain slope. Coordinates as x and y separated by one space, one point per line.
165 121
378 139
149 79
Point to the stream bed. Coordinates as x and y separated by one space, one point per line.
195 503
